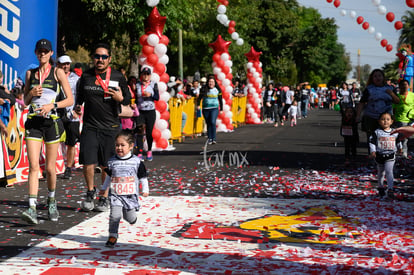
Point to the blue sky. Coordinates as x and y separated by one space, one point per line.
354 37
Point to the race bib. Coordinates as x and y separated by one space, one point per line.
123 185
347 130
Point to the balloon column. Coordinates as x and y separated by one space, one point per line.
230 24
153 55
222 71
254 84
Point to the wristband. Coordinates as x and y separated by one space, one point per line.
55 106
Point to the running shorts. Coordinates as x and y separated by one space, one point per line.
97 146
44 129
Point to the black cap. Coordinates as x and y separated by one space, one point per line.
145 70
43 44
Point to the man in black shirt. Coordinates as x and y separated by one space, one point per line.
101 90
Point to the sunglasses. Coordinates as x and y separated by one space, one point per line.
99 56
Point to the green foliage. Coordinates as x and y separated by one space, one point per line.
296 43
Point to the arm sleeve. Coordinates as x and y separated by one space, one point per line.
373 143
156 95
142 177
106 183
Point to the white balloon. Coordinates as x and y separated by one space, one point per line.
153 39
226 108
221 9
256 75
216 70
257 120
165 96
222 128
157 115
229 63
162 87
371 29
221 76
252 90
229 89
260 64
378 36
225 56
240 41
229 114
164 59
376 2
249 65
152 3
226 82
141 59
160 50
254 115
352 14
219 17
235 35
155 77
224 19
343 12
166 134
252 70
161 124
382 9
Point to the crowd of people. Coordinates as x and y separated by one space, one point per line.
58 99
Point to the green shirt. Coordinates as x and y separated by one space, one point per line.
401 109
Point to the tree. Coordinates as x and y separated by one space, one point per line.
407 32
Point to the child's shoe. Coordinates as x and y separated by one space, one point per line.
111 242
381 191
390 193
141 158
149 156
30 216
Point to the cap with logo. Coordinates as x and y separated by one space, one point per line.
43 44
64 59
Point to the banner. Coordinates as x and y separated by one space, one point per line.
22 23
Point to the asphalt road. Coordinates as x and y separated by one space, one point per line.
252 161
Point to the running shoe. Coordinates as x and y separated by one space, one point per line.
141 158
210 141
111 242
214 141
67 174
149 156
381 191
103 204
53 212
88 204
30 216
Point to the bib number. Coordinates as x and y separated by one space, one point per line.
347 130
123 185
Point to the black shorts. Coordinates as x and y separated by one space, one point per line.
44 129
72 132
97 146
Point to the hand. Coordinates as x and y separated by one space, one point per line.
3 129
78 109
116 94
2 101
45 109
145 194
133 106
372 155
36 91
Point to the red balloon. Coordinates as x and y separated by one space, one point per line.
229 101
147 50
390 16
230 127
225 120
216 57
162 143
225 69
230 30
143 39
360 19
410 3
398 25
337 3
165 115
165 78
365 25
164 40
229 76
384 42
159 68
156 134
220 63
389 48
161 106
232 23
152 59
226 95
329 1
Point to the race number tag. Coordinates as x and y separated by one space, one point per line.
123 185
347 130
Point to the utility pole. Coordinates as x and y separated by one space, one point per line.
359 67
180 54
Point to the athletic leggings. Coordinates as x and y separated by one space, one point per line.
117 212
386 169
147 118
